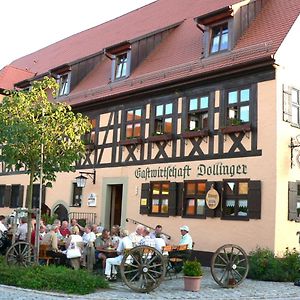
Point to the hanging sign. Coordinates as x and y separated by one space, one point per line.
212 198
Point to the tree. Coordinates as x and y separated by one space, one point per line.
29 124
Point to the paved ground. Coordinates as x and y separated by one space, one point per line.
172 289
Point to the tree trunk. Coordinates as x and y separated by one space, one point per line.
29 206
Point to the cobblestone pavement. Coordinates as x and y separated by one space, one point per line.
172 289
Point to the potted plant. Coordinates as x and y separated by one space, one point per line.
192 272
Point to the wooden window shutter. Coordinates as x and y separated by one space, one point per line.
219 187
287 103
292 213
145 199
180 194
254 199
173 199
21 195
7 195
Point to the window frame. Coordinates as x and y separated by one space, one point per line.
295 105
134 122
212 37
159 197
159 121
236 106
64 85
236 198
115 65
76 191
197 113
196 196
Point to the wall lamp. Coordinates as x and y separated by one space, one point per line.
81 180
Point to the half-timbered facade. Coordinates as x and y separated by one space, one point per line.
195 109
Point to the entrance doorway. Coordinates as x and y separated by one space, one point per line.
116 204
61 212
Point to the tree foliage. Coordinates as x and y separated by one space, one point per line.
28 119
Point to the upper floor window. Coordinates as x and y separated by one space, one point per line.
90 138
194 199
295 95
159 200
219 38
133 123
163 118
198 113
238 107
64 84
235 198
77 195
121 66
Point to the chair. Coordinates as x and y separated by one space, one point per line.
43 254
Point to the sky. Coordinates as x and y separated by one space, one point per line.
29 25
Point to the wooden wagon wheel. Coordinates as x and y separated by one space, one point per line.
143 269
20 254
229 265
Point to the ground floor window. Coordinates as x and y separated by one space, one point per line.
160 197
194 199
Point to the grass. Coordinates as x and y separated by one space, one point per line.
51 278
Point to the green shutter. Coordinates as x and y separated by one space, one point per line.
254 199
172 199
145 198
292 213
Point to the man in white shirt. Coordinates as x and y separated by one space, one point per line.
2 226
186 239
21 233
125 243
147 240
158 232
137 235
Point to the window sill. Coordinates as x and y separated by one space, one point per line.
197 133
133 141
160 137
158 215
236 128
235 218
194 217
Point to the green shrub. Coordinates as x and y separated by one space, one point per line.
192 268
51 278
265 266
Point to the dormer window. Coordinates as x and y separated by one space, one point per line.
120 55
219 38
121 62
64 84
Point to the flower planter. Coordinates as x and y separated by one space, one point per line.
197 133
236 128
133 141
160 138
192 283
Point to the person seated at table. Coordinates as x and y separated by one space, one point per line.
125 243
115 236
2 226
73 223
88 238
21 234
51 240
146 240
186 238
159 242
74 245
102 243
64 229
137 235
158 231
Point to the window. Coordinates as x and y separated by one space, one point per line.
295 95
36 195
77 195
194 199
2 195
133 123
160 198
294 201
238 103
64 84
121 66
163 119
219 38
90 138
198 113
235 198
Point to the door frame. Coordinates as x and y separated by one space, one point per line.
106 196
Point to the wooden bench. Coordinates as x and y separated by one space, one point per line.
43 254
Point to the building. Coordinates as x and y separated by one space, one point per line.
195 107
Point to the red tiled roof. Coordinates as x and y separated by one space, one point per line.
178 56
10 75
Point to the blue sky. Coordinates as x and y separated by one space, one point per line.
29 25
